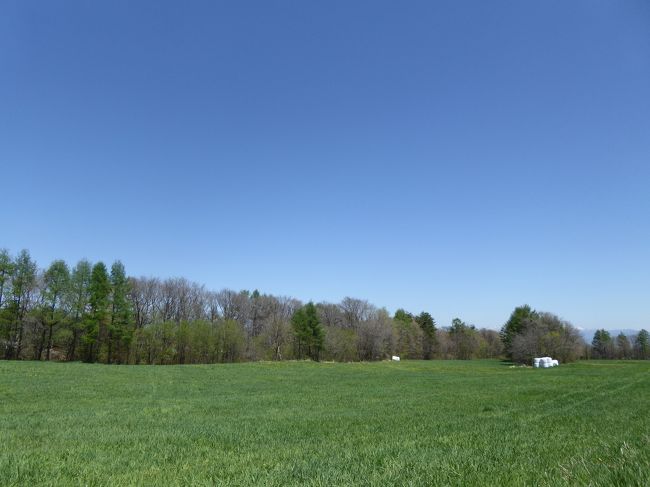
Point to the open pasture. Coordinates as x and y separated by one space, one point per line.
303 423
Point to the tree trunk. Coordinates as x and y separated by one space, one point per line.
19 345
38 352
49 342
73 345
110 346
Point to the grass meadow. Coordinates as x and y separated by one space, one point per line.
302 423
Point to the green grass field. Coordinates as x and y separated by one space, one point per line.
300 423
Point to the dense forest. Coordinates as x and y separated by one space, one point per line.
98 314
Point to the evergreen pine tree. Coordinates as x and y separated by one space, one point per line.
99 317
309 333
120 330
642 344
428 326
515 325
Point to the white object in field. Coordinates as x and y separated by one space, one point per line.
544 362
395 358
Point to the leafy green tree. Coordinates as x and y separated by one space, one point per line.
340 344
308 331
547 335
56 282
464 338
6 322
120 331
409 336
23 285
428 326
99 317
602 344
403 316
642 345
6 271
515 325
79 300
490 342
623 346
231 341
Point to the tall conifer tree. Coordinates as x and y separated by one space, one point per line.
120 331
79 298
99 317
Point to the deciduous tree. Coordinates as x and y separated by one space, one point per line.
515 325
23 286
56 289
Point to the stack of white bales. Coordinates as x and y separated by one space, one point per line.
545 362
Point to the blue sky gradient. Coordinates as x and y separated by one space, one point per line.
456 157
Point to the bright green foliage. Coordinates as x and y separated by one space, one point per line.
189 343
642 345
403 316
79 299
465 339
98 318
23 285
308 331
56 282
408 335
515 325
231 341
419 423
6 270
121 324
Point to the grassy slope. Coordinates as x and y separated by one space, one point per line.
408 423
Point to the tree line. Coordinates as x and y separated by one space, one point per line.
94 313
529 333
605 346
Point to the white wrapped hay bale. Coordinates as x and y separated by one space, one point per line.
395 358
545 362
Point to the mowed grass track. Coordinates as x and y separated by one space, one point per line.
301 423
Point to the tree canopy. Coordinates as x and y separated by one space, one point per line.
86 312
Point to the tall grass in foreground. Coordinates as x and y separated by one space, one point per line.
303 423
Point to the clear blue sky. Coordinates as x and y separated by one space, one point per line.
457 157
